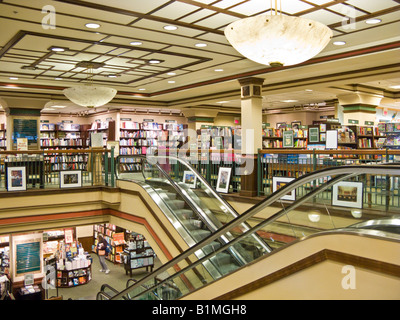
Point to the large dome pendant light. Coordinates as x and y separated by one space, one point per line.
277 40
89 95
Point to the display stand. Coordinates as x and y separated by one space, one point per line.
138 255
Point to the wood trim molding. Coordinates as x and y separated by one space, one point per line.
323 255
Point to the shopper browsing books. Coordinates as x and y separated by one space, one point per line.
102 253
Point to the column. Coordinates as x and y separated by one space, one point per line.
359 108
251 108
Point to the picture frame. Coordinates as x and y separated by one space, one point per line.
189 178
288 139
224 178
281 125
279 182
71 179
313 135
348 194
16 178
296 125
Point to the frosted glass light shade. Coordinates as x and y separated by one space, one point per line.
90 96
278 40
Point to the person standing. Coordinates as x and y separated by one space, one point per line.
102 253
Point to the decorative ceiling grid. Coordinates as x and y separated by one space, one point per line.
25 42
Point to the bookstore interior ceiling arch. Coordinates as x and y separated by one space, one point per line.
166 54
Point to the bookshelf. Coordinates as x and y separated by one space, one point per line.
138 254
285 138
115 237
3 137
64 136
73 267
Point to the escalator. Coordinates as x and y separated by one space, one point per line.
193 207
349 199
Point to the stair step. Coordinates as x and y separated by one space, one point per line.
176 204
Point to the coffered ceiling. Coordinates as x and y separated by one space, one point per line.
193 64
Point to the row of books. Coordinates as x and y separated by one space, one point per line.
132 125
138 143
59 126
141 134
68 166
68 158
60 142
133 150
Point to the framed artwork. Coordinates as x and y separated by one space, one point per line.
281 125
224 177
348 194
296 125
16 178
70 179
189 178
313 135
279 182
288 141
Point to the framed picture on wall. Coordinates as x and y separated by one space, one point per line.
16 178
189 178
71 179
223 181
279 182
347 194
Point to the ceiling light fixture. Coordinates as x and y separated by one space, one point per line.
57 49
154 61
219 70
171 81
339 43
395 87
170 28
89 95
201 45
373 21
276 39
13 78
171 73
92 25
136 43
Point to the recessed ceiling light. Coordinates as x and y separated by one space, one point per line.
154 61
308 90
201 45
219 70
339 43
13 78
171 81
373 21
395 87
289 101
58 78
92 25
142 89
222 101
136 43
112 76
171 73
57 49
170 28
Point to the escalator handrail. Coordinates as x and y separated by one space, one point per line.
173 184
212 227
198 176
332 171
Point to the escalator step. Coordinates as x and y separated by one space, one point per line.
176 204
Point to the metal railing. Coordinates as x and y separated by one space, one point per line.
285 225
24 170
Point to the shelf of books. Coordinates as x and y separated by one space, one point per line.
138 254
285 138
73 266
114 236
141 138
63 136
3 137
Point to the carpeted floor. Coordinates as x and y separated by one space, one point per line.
116 279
